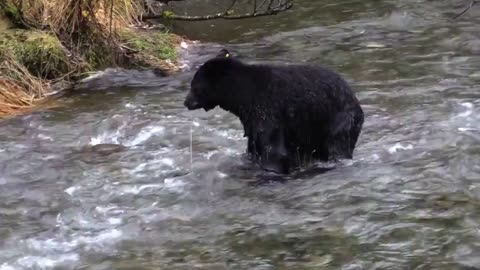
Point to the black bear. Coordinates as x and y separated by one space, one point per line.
291 114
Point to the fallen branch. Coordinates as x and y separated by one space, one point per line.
228 13
467 8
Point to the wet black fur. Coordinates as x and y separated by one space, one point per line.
291 114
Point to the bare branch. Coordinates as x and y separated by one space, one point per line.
167 1
227 15
263 3
231 6
467 8
270 5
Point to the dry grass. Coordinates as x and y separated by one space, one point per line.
71 17
85 35
123 14
19 90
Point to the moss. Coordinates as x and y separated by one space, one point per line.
12 12
40 52
154 47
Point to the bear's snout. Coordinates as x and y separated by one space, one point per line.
191 102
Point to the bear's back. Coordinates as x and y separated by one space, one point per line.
312 87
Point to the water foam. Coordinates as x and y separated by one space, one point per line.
6 266
137 189
169 184
90 242
145 134
398 146
30 262
105 138
469 109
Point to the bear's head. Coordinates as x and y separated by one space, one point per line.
212 82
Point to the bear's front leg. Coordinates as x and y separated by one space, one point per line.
274 154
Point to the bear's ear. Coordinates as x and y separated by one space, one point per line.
224 53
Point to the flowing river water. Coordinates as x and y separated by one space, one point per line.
109 181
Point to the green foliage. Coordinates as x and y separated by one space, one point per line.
40 52
168 14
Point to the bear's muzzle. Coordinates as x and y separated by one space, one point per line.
191 103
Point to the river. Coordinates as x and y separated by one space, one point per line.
122 176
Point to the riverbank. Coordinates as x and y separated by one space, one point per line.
43 50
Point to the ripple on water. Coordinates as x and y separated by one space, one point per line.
52 252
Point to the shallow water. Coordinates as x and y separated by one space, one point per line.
108 181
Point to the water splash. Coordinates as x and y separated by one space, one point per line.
399 146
